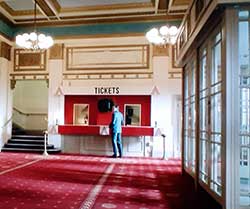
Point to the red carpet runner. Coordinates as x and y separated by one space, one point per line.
83 182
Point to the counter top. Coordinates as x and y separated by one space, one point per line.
99 130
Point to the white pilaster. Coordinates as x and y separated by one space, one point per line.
56 101
5 102
162 105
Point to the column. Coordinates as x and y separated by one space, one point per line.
56 97
5 94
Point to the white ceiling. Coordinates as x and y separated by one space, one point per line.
20 4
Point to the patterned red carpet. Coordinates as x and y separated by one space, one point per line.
29 181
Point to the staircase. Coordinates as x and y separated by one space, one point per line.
21 141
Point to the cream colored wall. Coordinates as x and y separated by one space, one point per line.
31 96
163 110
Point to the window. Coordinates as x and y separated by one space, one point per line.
132 114
215 114
81 114
189 118
204 116
210 105
244 135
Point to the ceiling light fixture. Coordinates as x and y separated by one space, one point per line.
34 40
164 35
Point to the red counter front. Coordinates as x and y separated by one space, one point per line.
94 130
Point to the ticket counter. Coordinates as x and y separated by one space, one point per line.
95 139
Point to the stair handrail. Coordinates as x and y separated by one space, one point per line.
7 122
28 114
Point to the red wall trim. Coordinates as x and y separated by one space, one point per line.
98 118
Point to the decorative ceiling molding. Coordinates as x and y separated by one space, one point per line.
178 6
51 12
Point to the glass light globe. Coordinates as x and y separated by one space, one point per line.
41 37
42 45
26 36
172 40
154 32
159 40
49 41
164 30
28 44
19 40
33 36
173 30
34 41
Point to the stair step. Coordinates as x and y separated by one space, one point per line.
26 141
23 141
27 137
10 149
49 146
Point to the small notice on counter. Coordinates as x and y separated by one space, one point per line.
104 130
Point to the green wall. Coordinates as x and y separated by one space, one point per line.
89 29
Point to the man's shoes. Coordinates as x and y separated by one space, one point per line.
120 156
114 156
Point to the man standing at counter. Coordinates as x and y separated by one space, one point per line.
116 130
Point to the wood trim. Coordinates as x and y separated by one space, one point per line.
144 47
180 3
41 67
14 75
108 73
111 76
66 37
197 118
204 34
161 50
56 51
5 51
12 12
108 7
56 5
45 8
231 122
102 19
89 16
6 7
183 121
210 192
198 26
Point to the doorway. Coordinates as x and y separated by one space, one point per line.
30 105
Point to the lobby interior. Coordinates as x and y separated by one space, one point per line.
185 97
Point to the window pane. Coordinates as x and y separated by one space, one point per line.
216 113
203 73
216 168
216 68
243 14
204 157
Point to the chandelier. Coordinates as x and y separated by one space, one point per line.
34 40
164 35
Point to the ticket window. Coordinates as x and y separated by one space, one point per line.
81 114
132 114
